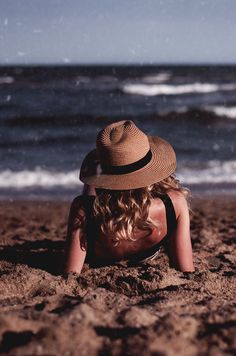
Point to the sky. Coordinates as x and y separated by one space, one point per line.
117 31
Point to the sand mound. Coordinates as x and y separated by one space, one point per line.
146 309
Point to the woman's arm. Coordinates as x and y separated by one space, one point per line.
75 254
180 242
75 244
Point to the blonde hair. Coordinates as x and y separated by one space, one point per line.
119 213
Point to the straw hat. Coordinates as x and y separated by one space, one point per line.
126 158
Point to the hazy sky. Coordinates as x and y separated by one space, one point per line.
117 31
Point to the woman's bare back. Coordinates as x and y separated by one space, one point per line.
104 249
144 239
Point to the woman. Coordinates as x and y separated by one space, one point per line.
132 203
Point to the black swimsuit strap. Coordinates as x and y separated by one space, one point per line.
170 213
171 224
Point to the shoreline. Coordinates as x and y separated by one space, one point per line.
65 195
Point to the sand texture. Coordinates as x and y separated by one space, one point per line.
147 309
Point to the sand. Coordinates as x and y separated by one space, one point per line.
147 309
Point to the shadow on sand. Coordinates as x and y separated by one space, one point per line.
46 255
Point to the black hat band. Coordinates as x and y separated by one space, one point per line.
128 168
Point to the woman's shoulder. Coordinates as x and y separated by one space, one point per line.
179 202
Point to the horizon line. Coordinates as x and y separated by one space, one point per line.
108 64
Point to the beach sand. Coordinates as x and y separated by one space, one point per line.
147 309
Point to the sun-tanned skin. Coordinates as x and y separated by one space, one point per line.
180 248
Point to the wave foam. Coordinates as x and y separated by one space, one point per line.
6 80
229 112
212 172
157 78
38 178
165 89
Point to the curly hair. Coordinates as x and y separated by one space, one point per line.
120 212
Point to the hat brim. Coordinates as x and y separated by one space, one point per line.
161 166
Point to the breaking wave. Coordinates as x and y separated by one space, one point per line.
213 172
157 78
165 89
6 80
229 112
38 178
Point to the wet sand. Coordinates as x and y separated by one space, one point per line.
148 309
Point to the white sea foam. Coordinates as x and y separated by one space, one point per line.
165 89
6 80
38 178
157 78
212 172
229 112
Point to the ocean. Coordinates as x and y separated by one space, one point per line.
50 116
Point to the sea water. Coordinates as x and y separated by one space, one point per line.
50 116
